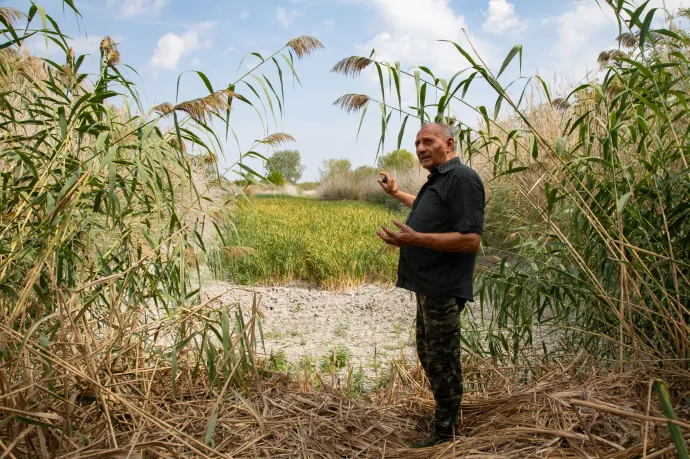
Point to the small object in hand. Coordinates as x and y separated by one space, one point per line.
384 179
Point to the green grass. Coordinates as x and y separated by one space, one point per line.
285 239
335 359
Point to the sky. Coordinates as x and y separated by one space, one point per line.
163 39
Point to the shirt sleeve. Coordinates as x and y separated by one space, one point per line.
466 203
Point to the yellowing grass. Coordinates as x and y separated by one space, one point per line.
329 244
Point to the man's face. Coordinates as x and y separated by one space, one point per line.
433 149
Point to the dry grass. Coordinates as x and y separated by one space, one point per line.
363 186
132 410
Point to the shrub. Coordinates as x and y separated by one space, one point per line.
335 166
308 186
399 160
276 178
362 185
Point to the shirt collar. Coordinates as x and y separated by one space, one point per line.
446 167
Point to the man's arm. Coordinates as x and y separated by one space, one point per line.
443 242
448 242
391 187
406 198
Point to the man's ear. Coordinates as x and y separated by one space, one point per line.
450 143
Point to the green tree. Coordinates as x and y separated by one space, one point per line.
334 166
400 160
288 163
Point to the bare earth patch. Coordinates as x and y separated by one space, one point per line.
306 323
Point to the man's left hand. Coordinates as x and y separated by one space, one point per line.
406 235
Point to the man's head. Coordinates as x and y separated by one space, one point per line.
435 145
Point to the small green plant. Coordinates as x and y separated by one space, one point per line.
278 362
298 308
336 359
341 330
307 363
293 333
355 381
274 335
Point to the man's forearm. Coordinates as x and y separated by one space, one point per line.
406 198
448 242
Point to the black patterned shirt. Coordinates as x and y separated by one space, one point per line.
452 200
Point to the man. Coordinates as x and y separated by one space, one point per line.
438 245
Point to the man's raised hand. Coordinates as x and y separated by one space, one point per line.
390 186
406 235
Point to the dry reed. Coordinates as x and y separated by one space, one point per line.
563 412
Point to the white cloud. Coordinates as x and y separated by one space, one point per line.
410 32
229 49
587 29
329 22
244 14
285 17
81 45
501 17
583 32
172 47
87 45
196 61
129 8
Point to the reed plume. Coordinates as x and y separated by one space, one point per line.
109 51
164 109
9 15
304 45
351 66
352 102
278 138
202 109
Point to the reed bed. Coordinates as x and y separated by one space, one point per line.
147 406
588 190
108 349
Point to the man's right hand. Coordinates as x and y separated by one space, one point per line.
390 186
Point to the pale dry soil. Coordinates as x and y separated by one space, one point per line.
374 322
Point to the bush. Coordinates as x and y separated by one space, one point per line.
276 178
335 166
399 160
362 185
308 186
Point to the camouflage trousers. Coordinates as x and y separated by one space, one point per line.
438 348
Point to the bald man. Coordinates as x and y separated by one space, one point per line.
438 245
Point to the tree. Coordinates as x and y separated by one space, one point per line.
399 160
288 163
334 166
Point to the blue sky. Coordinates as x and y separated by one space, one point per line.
163 38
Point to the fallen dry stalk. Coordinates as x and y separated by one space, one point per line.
639 416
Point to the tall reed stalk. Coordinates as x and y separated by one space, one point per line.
99 223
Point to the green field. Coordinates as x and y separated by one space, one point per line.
325 243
